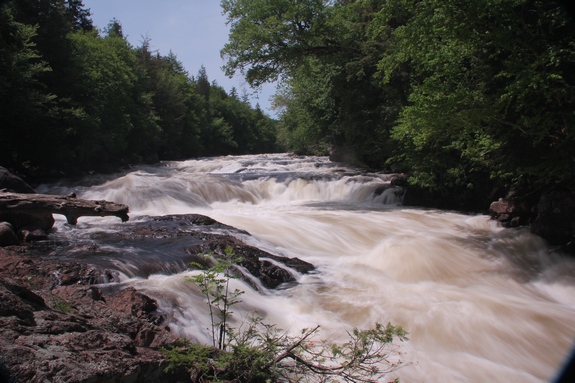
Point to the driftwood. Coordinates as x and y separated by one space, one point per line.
69 206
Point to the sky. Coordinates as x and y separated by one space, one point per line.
194 30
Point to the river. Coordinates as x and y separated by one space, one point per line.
481 303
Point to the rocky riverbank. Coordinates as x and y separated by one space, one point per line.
65 316
60 323
56 325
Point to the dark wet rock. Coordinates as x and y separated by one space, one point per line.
7 235
13 184
195 220
200 234
31 234
34 221
556 217
271 270
510 212
13 306
550 215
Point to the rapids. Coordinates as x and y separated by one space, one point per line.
480 303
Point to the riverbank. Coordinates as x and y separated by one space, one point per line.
57 324
67 319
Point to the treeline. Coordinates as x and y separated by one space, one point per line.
471 98
73 99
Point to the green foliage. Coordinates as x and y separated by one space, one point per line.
73 100
24 100
104 95
487 100
195 357
61 305
214 284
466 97
260 352
268 38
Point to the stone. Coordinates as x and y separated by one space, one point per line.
555 217
270 274
13 184
510 213
7 235
32 234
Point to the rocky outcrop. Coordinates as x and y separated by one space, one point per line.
510 213
62 320
555 220
551 216
55 326
270 270
13 184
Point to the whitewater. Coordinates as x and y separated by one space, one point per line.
481 303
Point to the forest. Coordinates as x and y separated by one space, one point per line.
74 99
471 100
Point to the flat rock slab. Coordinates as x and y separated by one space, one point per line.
69 206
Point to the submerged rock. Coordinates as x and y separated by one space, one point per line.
271 270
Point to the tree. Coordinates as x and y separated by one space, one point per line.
203 84
492 88
78 15
468 98
25 102
114 29
104 95
270 38
322 52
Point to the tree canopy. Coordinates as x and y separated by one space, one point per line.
466 97
75 99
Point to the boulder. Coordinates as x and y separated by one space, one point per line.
510 213
10 183
7 235
555 219
31 234
271 270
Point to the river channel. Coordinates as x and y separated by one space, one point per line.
481 303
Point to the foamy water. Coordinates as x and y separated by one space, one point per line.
481 303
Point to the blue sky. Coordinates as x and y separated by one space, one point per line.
195 30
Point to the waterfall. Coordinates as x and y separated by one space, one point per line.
481 303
